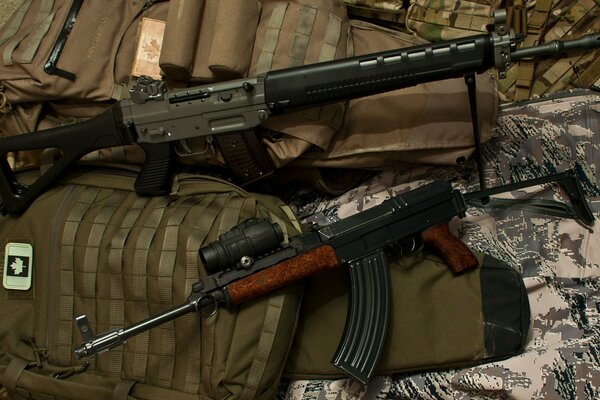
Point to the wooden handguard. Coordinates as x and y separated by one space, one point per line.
283 274
450 248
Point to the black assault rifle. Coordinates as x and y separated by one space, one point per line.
156 119
249 261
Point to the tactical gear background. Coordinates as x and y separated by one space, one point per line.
558 258
563 281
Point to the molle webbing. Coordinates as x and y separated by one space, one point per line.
332 38
166 268
12 26
304 28
31 37
92 253
267 53
264 346
458 20
569 72
303 34
209 207
64 340
114 360
573 19
139 288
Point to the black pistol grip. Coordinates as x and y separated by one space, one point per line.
73 142
155 177
368 315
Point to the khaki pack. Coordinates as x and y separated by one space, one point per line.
103 251
272 34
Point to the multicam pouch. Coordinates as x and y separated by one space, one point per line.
441 20
547 20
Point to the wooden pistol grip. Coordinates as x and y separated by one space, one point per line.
451 249
283 274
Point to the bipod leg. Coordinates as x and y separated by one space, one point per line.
472 89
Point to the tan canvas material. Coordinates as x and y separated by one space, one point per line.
99 49
288 34
209 40
402 132
101 250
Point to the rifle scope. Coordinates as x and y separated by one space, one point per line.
251 238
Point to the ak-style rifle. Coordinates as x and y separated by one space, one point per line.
250 261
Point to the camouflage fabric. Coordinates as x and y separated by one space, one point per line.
437 20
386 5
559 259
389 13
568 19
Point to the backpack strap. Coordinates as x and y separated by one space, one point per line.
12 27
123 389
11 377
264 347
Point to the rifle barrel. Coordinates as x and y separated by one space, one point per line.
556 47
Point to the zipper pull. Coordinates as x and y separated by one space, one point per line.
50 66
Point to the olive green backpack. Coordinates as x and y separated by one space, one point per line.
101 250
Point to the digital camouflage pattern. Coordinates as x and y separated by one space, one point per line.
558 258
